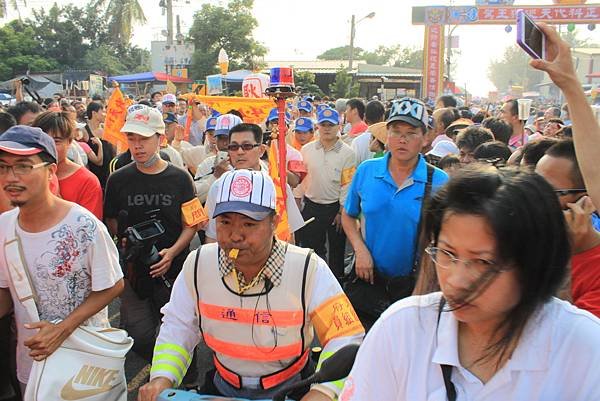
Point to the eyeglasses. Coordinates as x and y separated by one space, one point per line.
565 192
234 147
475 267
406 137
20 169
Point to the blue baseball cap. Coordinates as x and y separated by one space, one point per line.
305 106
328 115
211 123
304 124
322 106
169 118
23 140
308 99
274 115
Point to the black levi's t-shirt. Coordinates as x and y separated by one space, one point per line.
139 194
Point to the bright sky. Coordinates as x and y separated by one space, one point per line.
312 26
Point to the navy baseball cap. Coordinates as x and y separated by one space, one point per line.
304 124
169 118
305 106
211 124
26 141
409 110
328 115
274 115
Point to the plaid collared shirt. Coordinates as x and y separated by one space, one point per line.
273 266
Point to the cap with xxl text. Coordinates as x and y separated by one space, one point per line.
247 192
409 110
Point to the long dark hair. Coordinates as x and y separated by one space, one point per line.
531 235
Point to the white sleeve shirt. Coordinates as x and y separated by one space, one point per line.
557 357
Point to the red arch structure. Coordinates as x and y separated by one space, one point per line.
435 18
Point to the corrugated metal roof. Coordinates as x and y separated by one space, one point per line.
314 66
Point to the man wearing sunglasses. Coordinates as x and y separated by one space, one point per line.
245 150
560 168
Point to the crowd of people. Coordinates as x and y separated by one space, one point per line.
464 241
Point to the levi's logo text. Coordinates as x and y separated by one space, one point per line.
150 200
88 382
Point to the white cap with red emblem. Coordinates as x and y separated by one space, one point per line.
247 192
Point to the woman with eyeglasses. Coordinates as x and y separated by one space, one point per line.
498 250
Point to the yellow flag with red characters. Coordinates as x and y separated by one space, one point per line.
116 111
283 228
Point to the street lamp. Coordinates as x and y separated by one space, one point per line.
353 23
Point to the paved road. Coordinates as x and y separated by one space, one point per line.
137 369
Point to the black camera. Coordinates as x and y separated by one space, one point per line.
140 252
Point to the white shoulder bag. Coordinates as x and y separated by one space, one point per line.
90 363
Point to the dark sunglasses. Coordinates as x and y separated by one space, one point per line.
234 147
565 192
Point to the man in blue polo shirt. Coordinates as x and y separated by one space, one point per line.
383 210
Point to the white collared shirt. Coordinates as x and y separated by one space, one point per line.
557 358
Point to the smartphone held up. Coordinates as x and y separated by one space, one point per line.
530 37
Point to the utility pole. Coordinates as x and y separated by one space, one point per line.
169 22
352 31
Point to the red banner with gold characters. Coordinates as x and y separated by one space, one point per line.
433 63
253 110
116 111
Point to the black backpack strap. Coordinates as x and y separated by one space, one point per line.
303 296
446 369
426 196
196 287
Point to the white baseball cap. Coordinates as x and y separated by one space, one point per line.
443 148
169 98
248 192
226 122
143 120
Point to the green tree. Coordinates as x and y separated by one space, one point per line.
382 55
341 53
513 69
305 81
229 27
409 57
20 52
342 87
121 15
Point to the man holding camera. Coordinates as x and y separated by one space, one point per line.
149 204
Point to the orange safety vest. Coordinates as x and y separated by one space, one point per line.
265 333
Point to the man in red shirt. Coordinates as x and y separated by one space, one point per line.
77 184
355 115
560 168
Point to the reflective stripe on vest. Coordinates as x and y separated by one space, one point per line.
252 352
254 335
251 316
268 381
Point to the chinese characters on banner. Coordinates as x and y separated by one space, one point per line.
433 61
254 86
551 14
116 111
253 111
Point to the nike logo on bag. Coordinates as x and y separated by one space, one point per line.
89 376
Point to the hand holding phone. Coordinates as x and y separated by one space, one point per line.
530 37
